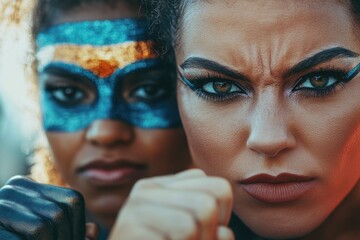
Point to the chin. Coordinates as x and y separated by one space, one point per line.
283 229
105 209
106 219
284 221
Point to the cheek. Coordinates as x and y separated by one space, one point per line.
214 133
332 136
344 153
165 151
65 147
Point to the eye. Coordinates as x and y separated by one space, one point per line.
221 87
214 88
317 82
67 95
150 92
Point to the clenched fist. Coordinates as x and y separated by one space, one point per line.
186 206
29 210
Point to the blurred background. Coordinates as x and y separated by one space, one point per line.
21 137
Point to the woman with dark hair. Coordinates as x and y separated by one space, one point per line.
268 94
109 112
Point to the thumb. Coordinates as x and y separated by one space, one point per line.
224 233
92 231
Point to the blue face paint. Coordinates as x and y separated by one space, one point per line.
103 53
96 33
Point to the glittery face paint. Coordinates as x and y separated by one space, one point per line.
103 52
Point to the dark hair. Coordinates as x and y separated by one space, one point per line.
355 6
44 11
165 17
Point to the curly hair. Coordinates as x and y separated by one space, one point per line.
164 16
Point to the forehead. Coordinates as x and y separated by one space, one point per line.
100 46
268 12
264 29
98 11
96 32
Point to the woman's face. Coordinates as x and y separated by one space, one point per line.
108 108
270 100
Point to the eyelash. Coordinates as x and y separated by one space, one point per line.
197 83
53 89
337 73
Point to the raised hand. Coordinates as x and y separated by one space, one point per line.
29 210
186 206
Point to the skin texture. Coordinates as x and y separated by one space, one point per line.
188 206
158 151
271 128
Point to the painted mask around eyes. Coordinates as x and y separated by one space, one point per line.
104 52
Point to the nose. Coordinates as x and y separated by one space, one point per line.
269 131
108 133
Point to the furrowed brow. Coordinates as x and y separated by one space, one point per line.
321 57
201 63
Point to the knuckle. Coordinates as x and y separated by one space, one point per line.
143 188
223 187
55 212
16 180
8 191
7 211
186 227
39 228
20 181
207 207
74 197
15 194
142 184
133 202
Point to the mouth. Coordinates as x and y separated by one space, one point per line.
104 172
282 188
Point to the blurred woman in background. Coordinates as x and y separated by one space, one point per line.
109 109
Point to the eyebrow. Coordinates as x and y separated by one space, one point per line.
318 58
197 62
67 75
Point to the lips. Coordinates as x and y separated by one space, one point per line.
283 188
105 172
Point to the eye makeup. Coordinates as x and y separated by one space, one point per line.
329 81
221 88
104 52
319 83
352 73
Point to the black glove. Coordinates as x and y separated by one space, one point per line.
7 235
29 210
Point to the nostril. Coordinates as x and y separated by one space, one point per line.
109 133
267 150
270 144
